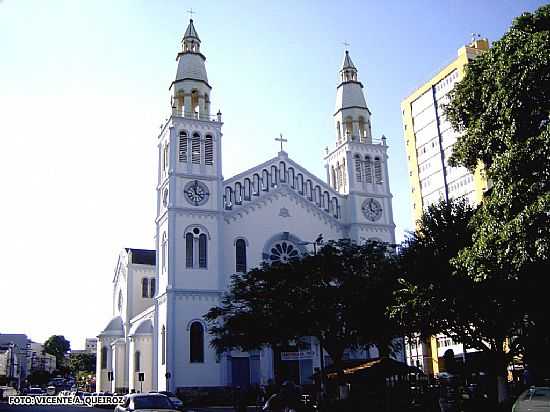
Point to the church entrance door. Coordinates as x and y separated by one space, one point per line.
240 371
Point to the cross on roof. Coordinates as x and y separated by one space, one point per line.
191 12
281 140
346 44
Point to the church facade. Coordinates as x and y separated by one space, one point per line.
208 228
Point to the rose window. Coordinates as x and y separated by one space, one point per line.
283 252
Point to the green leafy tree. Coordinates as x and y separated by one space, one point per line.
502 108
58 346
82 362
340 296
437 298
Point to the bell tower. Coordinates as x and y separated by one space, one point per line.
357 165
188 223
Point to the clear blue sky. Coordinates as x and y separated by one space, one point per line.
84 88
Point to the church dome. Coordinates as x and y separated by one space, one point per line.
191 66
143 327
114 327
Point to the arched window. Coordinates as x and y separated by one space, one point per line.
300 184
183 146
256 184
291 178
265 180
196 148
240 255
189 250
208 150
368 170
282 171
378 170
163 345
196 343
238 193
309 190
137 361
228 198
343 166
335 207
333 177
326 201
165 157
338 176
318 196
362 131
145 288
358 168
349 127
164 251
247 189
203 256
104 354
152 287
274 175
338 131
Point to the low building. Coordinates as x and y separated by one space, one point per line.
9 365
40 360
22 351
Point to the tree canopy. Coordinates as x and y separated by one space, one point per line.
340 296
58 346
502 108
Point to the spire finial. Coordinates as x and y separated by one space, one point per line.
191 12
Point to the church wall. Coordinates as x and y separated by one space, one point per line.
138 303
161 318
267 220
143 344
192 307
195 278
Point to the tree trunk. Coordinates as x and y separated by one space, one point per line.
501 375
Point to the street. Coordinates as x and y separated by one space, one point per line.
4 407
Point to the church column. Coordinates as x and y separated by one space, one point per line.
202 110
187 105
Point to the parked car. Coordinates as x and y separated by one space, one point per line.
6 391
174 399
535 398
35 391
137 402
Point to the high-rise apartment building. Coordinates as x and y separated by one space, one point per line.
429 139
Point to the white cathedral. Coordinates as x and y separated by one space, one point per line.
208 228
